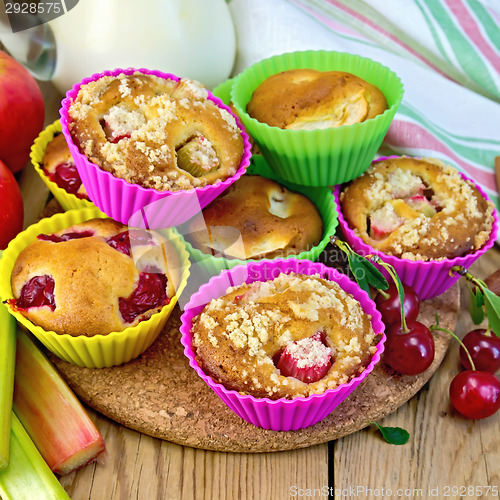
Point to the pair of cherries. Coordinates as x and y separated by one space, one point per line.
475 391
409 348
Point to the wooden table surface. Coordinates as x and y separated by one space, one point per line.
446 456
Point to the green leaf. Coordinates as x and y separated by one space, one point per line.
365 273
492 303
358 271
393 435
476 303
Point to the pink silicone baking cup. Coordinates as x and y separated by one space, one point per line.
281 414
133 204
428 278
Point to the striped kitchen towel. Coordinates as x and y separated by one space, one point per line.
447 53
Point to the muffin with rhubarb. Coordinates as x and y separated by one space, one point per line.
140 136
287 334
420 215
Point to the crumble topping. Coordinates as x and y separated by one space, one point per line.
417 209
155 132
308 353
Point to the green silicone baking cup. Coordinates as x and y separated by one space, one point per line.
223 91
322 198
319 157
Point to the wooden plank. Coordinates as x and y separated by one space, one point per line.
139 466
444 451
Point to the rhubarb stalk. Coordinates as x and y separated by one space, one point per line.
7 362
51 413
28 476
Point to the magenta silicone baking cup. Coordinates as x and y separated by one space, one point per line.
428 278
281 414
133 204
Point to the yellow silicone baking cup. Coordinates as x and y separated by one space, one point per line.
98 351
67 200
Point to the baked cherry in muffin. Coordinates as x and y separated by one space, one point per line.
59 166
294 335
417 209
94 278
270 219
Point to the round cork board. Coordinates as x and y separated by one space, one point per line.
159 394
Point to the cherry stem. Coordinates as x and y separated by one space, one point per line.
437 327
469 277
384 294
377 260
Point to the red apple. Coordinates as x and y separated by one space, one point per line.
11 210
22 112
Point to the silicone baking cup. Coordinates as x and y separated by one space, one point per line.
67 200
428 278
281 414
319 157
133 204
98 351
323 199
223 91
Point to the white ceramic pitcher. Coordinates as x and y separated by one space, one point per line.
190 38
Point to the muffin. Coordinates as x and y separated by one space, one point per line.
94 278
308 99
294 335
422 262
58 165
156 132
417 209
151 148
294 384
256 218
109 349
57 168
316 153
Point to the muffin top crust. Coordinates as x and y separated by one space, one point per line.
257 217
156 132
417 209
241 338
308 99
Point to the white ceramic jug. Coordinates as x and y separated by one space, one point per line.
190 38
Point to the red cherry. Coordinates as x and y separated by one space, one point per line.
123 241
149 293
65 237
475 394
66 177
484 350
410 352
307 360
37 292
390 306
